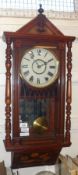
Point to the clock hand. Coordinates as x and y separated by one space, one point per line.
49 61
45 63
37 63
38 66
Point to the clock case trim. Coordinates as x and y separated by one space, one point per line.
49 35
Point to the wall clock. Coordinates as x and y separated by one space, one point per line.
36 97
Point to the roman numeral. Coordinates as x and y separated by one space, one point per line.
26 73
24 66
45 54
46 78
38 81
31 78
31 55
50 73
52 67
39 52
26 59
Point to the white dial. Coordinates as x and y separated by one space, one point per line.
39 67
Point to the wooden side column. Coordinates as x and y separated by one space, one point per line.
8 94
68 93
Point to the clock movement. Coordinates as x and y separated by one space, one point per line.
38 92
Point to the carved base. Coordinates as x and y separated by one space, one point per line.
23 159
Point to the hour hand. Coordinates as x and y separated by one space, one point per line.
38 66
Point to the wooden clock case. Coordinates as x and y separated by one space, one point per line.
38 149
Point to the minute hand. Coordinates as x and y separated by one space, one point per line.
45 63
48 61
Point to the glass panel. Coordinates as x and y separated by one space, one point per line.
34 116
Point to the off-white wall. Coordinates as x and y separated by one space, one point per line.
68 28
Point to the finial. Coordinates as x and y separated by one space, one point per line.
40 10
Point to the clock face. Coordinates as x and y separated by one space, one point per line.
39 67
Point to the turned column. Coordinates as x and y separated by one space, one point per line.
8 94
68 93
